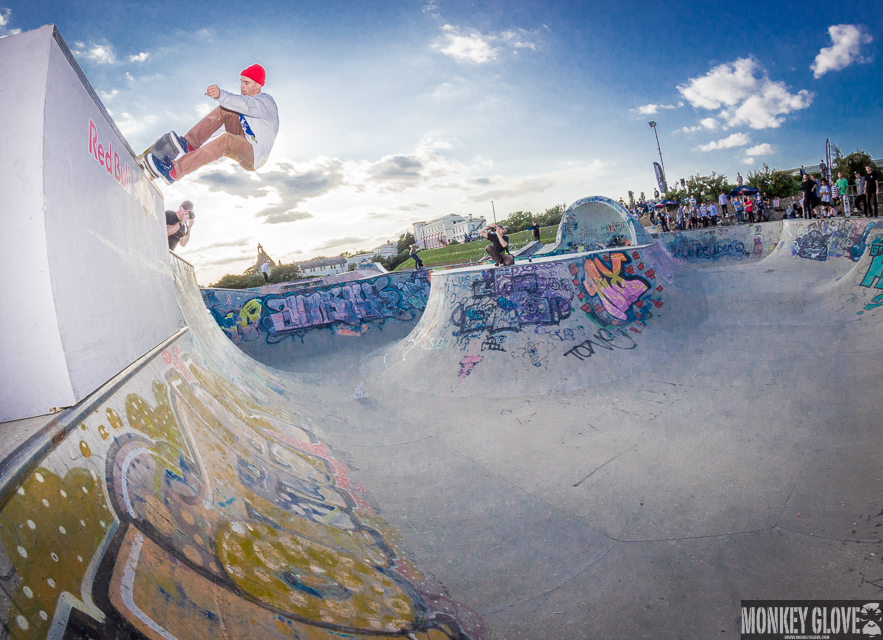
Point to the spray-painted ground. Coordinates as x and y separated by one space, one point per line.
194 497
207 495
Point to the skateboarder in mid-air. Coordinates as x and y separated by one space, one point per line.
250 121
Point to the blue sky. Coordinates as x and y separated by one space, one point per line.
393 112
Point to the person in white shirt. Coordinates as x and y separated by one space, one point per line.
250 121
722 199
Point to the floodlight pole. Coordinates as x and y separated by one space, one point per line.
658 148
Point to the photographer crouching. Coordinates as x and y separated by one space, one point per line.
179 223
498 250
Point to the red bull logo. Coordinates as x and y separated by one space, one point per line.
109 158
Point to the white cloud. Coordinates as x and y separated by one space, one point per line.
475 47
744 94
132 126
109 95
847 39
431 8
709 124
764 149
94 52
735 140
748 160
4 22
650 109
141 57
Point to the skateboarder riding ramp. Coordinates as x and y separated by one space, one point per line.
600 444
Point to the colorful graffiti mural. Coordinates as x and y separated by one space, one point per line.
183 506
722 244
505 301
345 309
613 286
527 314
873 277
834 238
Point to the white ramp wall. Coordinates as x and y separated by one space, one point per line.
87 282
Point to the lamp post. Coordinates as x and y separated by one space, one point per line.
658 148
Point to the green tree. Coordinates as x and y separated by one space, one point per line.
550 216
405 242
352 267
239 282
855 161
284 273
774 183
517 221
705 188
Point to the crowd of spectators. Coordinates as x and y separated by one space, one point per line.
819 197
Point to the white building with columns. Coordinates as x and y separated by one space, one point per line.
441 231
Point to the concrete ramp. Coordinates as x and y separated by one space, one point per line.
194 497
555 324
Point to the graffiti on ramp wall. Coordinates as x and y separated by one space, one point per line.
344 309
183 509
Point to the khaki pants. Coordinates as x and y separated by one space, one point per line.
231 144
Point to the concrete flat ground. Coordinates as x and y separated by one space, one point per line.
745 466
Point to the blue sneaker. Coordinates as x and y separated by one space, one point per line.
181 144
161 168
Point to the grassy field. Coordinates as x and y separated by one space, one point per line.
474 251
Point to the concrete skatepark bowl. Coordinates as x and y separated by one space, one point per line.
603 443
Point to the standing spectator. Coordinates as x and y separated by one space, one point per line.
536 231
703 215
823 169
824 192
842 185
760 207
738 179
722 199
737 204
808 186
861 202
265 271
871 191
681 220
749 208
694 215
712 211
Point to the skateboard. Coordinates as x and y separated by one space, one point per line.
168 147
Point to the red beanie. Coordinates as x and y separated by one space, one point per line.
255 72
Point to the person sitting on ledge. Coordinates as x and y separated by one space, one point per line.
498 250
250 121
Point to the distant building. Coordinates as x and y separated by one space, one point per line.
262 258
441 231
387 250
359 259
322 266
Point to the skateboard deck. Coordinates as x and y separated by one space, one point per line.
164 147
